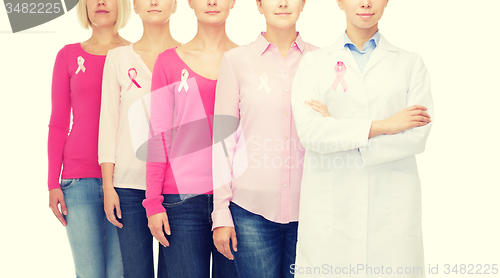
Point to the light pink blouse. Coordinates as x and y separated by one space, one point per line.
257 163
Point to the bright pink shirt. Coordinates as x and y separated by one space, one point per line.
76 88
254 87
179 152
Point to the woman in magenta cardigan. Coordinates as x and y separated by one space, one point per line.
76 89
179 171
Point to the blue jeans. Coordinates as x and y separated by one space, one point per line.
93 239
191 239
266 249
136 241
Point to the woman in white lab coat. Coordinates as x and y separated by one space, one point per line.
360 206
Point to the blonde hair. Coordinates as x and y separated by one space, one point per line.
121 20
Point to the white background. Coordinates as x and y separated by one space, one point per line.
460 168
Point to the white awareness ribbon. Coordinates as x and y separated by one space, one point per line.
80 62
184 77
263 83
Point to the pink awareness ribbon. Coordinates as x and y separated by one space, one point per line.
132 74
80 62
340 70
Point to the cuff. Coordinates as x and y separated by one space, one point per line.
222 218
54 185
153 206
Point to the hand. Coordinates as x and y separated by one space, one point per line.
56 197
221 241
319 107
158 223
410 117
112 202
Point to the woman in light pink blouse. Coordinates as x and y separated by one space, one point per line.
179 170
257 163
126 86
76 91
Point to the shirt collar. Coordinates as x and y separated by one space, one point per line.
373 41
382 43
263 44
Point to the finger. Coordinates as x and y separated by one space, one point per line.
166 229
418 124
110 214
419 112
58 215
218 246
64 209
415 107
160 236
421 119
235 242
227 251
118 211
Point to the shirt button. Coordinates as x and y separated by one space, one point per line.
286 137
284 71
284 185
286 91
286 114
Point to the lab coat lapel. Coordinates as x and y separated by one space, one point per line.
379 53
377 56
342 53
347 58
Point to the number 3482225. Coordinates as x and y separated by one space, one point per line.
33 8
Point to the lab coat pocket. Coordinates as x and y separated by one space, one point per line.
315 216
406 207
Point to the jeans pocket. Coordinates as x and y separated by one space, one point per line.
406 208
173 200
67 183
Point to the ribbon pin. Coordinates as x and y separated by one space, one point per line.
263 83
184 84
340 70
132 74
80 62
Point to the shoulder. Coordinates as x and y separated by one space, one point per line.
119 54
310 47
238 52
119 51
69 50
167 55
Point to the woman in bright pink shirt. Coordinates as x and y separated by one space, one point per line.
257 167
179 198
76 89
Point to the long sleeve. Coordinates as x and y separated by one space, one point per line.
226 134
386 148
161 118
59 118
318 133
110 113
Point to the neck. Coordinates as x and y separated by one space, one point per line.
283 39
210 37
156 37
359 36
104 35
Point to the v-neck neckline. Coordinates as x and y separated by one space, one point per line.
140 61
179 57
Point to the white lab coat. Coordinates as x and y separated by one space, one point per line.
360 200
